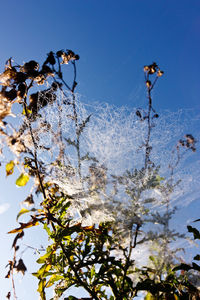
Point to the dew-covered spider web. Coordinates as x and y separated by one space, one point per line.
111 142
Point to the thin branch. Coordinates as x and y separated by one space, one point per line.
81 282
12 275
35 151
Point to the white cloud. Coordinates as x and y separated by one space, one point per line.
4 207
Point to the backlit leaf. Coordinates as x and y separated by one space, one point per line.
42 259
24 226
92 272
22 211
41 287
44 269
22 180
10 168
53 279
149 296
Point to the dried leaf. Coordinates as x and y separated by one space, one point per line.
8 274
18 236
20 267
7 76
50 59
30 66
23 226
160 73
21 92
148 83
29 200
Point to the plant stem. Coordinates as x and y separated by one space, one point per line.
81 282
59 73
35 151
147 144
12 276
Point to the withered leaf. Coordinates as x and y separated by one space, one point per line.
23 226
7 76
10 95
156 116
148 83
5 110
20 77
47 71
32 65
50 59
8 274
21 90
20 267
18 236
29 200
59 53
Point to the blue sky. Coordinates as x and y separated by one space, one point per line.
114 39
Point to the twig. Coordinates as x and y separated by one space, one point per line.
12 275
82 283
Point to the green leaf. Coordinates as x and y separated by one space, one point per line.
92 272
43 271
159 178
152 258
53 279
10 168
42 259
47 229
149 296
63 210
41 287
22 180
22 211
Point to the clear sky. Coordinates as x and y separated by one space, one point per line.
114 39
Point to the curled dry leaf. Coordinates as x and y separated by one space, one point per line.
5 110
20 267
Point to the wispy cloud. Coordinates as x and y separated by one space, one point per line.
4 207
